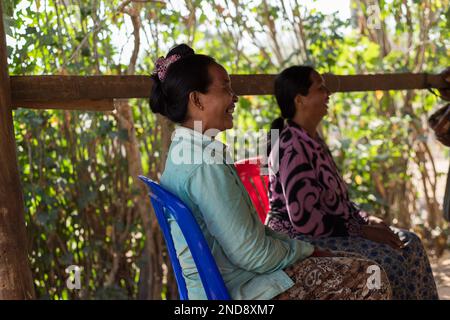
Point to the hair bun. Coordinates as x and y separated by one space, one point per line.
158 101
182 49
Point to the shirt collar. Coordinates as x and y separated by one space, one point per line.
197 136
304 134
197 139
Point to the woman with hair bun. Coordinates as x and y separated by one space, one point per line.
194 91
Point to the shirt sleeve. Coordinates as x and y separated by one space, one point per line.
305 196
232 220
275 234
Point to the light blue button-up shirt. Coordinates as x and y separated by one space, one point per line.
250 256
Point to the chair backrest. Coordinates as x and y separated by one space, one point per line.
164 204
256 184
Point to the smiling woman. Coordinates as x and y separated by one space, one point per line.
215 107
309 199
194 89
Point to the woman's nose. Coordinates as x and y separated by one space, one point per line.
235 97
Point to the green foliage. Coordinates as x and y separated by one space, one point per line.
80 199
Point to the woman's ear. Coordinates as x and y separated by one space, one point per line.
298 101
194 98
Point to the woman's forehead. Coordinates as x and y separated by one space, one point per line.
218 73
317 77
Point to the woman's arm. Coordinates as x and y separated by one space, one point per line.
231 219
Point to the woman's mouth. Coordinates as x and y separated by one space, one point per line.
230 110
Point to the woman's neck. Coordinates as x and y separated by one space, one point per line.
197 126
194 125
309 126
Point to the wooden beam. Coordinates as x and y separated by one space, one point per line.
66 88
15 274
384 82
84 105
263 84
72 92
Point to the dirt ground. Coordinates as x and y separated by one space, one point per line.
441 266
441 271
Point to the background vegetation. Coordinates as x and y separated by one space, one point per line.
78 169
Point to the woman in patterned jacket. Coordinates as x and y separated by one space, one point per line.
309 199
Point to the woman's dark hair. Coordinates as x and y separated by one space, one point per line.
189 73
288 84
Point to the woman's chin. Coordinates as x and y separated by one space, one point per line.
229 126
228 123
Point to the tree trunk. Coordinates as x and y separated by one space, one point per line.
150 282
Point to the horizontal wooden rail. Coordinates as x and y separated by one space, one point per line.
83 104
96 93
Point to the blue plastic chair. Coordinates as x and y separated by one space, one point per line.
165 203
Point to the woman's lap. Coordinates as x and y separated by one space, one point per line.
343 278
408 269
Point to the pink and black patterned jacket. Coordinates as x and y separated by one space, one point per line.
308 190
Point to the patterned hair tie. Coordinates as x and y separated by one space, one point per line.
162 64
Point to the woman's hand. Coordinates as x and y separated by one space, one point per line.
375 221
382 234
322 253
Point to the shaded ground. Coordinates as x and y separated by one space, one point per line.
441 266
441 271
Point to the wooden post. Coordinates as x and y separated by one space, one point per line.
15 274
